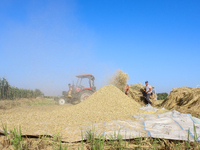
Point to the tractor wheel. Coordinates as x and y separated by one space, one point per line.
61 101
84 95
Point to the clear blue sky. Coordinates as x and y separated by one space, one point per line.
45 43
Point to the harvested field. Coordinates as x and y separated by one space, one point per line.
93 143
106 104
8 104
184 99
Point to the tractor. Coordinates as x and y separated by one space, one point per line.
78 93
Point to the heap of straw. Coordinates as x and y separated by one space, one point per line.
136 94
119 79
184 99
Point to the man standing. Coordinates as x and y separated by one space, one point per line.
148 91
154 93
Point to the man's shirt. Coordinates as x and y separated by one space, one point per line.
148 87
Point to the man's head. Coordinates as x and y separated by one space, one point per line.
153 87
146 83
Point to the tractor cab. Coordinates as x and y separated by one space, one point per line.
79 87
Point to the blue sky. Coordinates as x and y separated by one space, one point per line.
45 44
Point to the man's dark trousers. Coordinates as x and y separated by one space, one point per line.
147 98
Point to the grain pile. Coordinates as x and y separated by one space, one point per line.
184 99
106 104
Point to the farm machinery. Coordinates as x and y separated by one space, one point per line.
77 93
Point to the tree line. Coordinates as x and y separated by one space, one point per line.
11 92
162 96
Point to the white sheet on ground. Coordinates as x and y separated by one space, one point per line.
169 125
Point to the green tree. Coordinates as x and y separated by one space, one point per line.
3 86
12 92
162 96
38 93
6 89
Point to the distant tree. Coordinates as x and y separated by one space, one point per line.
162 96
28 93
38 93
31 93
3 86
21 93
12 92
7 89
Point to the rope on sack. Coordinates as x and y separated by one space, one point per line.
186 130
193 119
179 124
149 134
192 135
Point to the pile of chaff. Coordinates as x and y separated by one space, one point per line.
184 99
119 79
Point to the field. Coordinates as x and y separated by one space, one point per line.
24 102
23 119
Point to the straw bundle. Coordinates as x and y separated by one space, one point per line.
137 95
119 79
137 86
184 99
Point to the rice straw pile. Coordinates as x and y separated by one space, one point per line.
119 79
136 94
184 99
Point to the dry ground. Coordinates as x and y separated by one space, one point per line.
24 102
38 104
50 143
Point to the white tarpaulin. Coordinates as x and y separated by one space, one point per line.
168 125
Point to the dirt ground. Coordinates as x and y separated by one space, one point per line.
25 102
40 105
45 107
44 117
